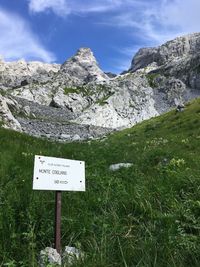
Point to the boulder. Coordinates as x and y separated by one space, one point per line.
49 256
71 255
117 166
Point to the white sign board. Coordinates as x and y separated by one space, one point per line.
58 174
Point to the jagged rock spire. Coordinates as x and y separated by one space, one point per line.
84 67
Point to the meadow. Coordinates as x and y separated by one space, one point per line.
147 215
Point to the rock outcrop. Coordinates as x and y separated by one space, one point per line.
175 50
84 68
21 73
6 117
130 101
179 58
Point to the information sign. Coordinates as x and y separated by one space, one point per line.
58 174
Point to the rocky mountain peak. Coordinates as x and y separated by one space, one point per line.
177 49
83 66
85 54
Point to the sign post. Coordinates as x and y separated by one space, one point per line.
57 235
58 174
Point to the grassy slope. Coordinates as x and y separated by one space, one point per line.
147 215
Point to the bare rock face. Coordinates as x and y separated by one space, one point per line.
84 67
174 50
130 101
6 117
41 93
175 90
21 73
178 58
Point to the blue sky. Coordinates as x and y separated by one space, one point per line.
53 30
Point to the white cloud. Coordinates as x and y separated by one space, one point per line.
18 41
184 15
59 7
157 22
66 7
95 6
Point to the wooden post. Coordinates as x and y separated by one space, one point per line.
57 240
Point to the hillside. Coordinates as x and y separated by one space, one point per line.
145 215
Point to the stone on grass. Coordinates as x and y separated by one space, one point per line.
180 108
71 255
115 167
49 256
65 136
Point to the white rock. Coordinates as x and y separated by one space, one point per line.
74 102
84 67
71 255
21 72
41 95
65 136
115 167
76 137
49 256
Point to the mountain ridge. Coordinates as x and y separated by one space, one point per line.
159 79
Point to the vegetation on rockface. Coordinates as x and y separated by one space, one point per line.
3 92
69 90
197 69
103 101
151 79
146 215
101 91
97 89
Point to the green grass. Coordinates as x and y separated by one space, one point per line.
68 90
103 101
88 90
85 91
3 92
146 215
